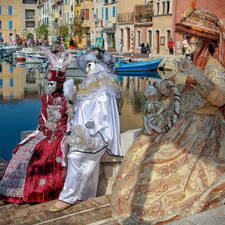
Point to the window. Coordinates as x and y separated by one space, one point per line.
0 68
106 13
106 1
0 10
1 37
1 83
164 5
0 24
11 68
10 24
85 14
29 1
114 11
168 36
157 8
150 38
138 38
11 82
168 7
10 10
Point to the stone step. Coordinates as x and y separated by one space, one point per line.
96 210
210 217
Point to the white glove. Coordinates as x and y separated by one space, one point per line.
80 138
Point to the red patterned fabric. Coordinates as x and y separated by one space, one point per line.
44 175
58 76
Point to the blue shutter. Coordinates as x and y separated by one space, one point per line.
0 10
11 82
106 13
10 24
0 24
1 83
10 10
11 68
114 11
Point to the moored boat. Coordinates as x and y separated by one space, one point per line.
139 69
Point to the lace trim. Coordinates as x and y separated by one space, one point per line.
13 181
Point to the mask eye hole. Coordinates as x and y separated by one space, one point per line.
89 65
50 83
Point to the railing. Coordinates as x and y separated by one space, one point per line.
29 18
125 17
143 18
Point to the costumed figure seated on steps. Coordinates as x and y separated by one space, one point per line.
35 173
176 168
95 130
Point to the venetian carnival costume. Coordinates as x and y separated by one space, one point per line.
208 47
95 130
176 168
35 173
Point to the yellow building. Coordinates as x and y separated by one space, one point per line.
11 82
17 82
87 16
18 17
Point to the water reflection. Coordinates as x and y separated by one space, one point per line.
20 92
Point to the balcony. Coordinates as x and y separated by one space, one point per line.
29 18
143 13
125 17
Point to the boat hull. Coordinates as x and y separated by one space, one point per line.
138 69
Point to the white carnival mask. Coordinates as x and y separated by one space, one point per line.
90 67
51 86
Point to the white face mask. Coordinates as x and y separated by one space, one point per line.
51 86
90 67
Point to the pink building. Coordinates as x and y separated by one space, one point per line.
215 6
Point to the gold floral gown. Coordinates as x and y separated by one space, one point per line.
184 172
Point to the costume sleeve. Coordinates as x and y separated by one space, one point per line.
216 97
99 120
43 115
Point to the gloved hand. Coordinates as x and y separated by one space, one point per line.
79 136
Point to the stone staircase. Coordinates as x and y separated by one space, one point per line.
94 211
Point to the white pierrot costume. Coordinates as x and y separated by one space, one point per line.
95 130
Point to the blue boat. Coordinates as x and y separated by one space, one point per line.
138 69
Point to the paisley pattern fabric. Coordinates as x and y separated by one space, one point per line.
181 174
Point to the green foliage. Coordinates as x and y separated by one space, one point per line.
42 31
64 31
79 29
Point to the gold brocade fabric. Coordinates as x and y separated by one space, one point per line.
182 174
96 85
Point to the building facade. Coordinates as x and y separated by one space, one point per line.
125 24
160 33
12 24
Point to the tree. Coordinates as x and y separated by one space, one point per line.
63 31
79 30
42 31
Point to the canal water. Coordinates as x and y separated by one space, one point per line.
21 87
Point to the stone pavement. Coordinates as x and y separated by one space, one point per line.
94 211
210 217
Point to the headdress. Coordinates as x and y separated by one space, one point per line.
205 25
